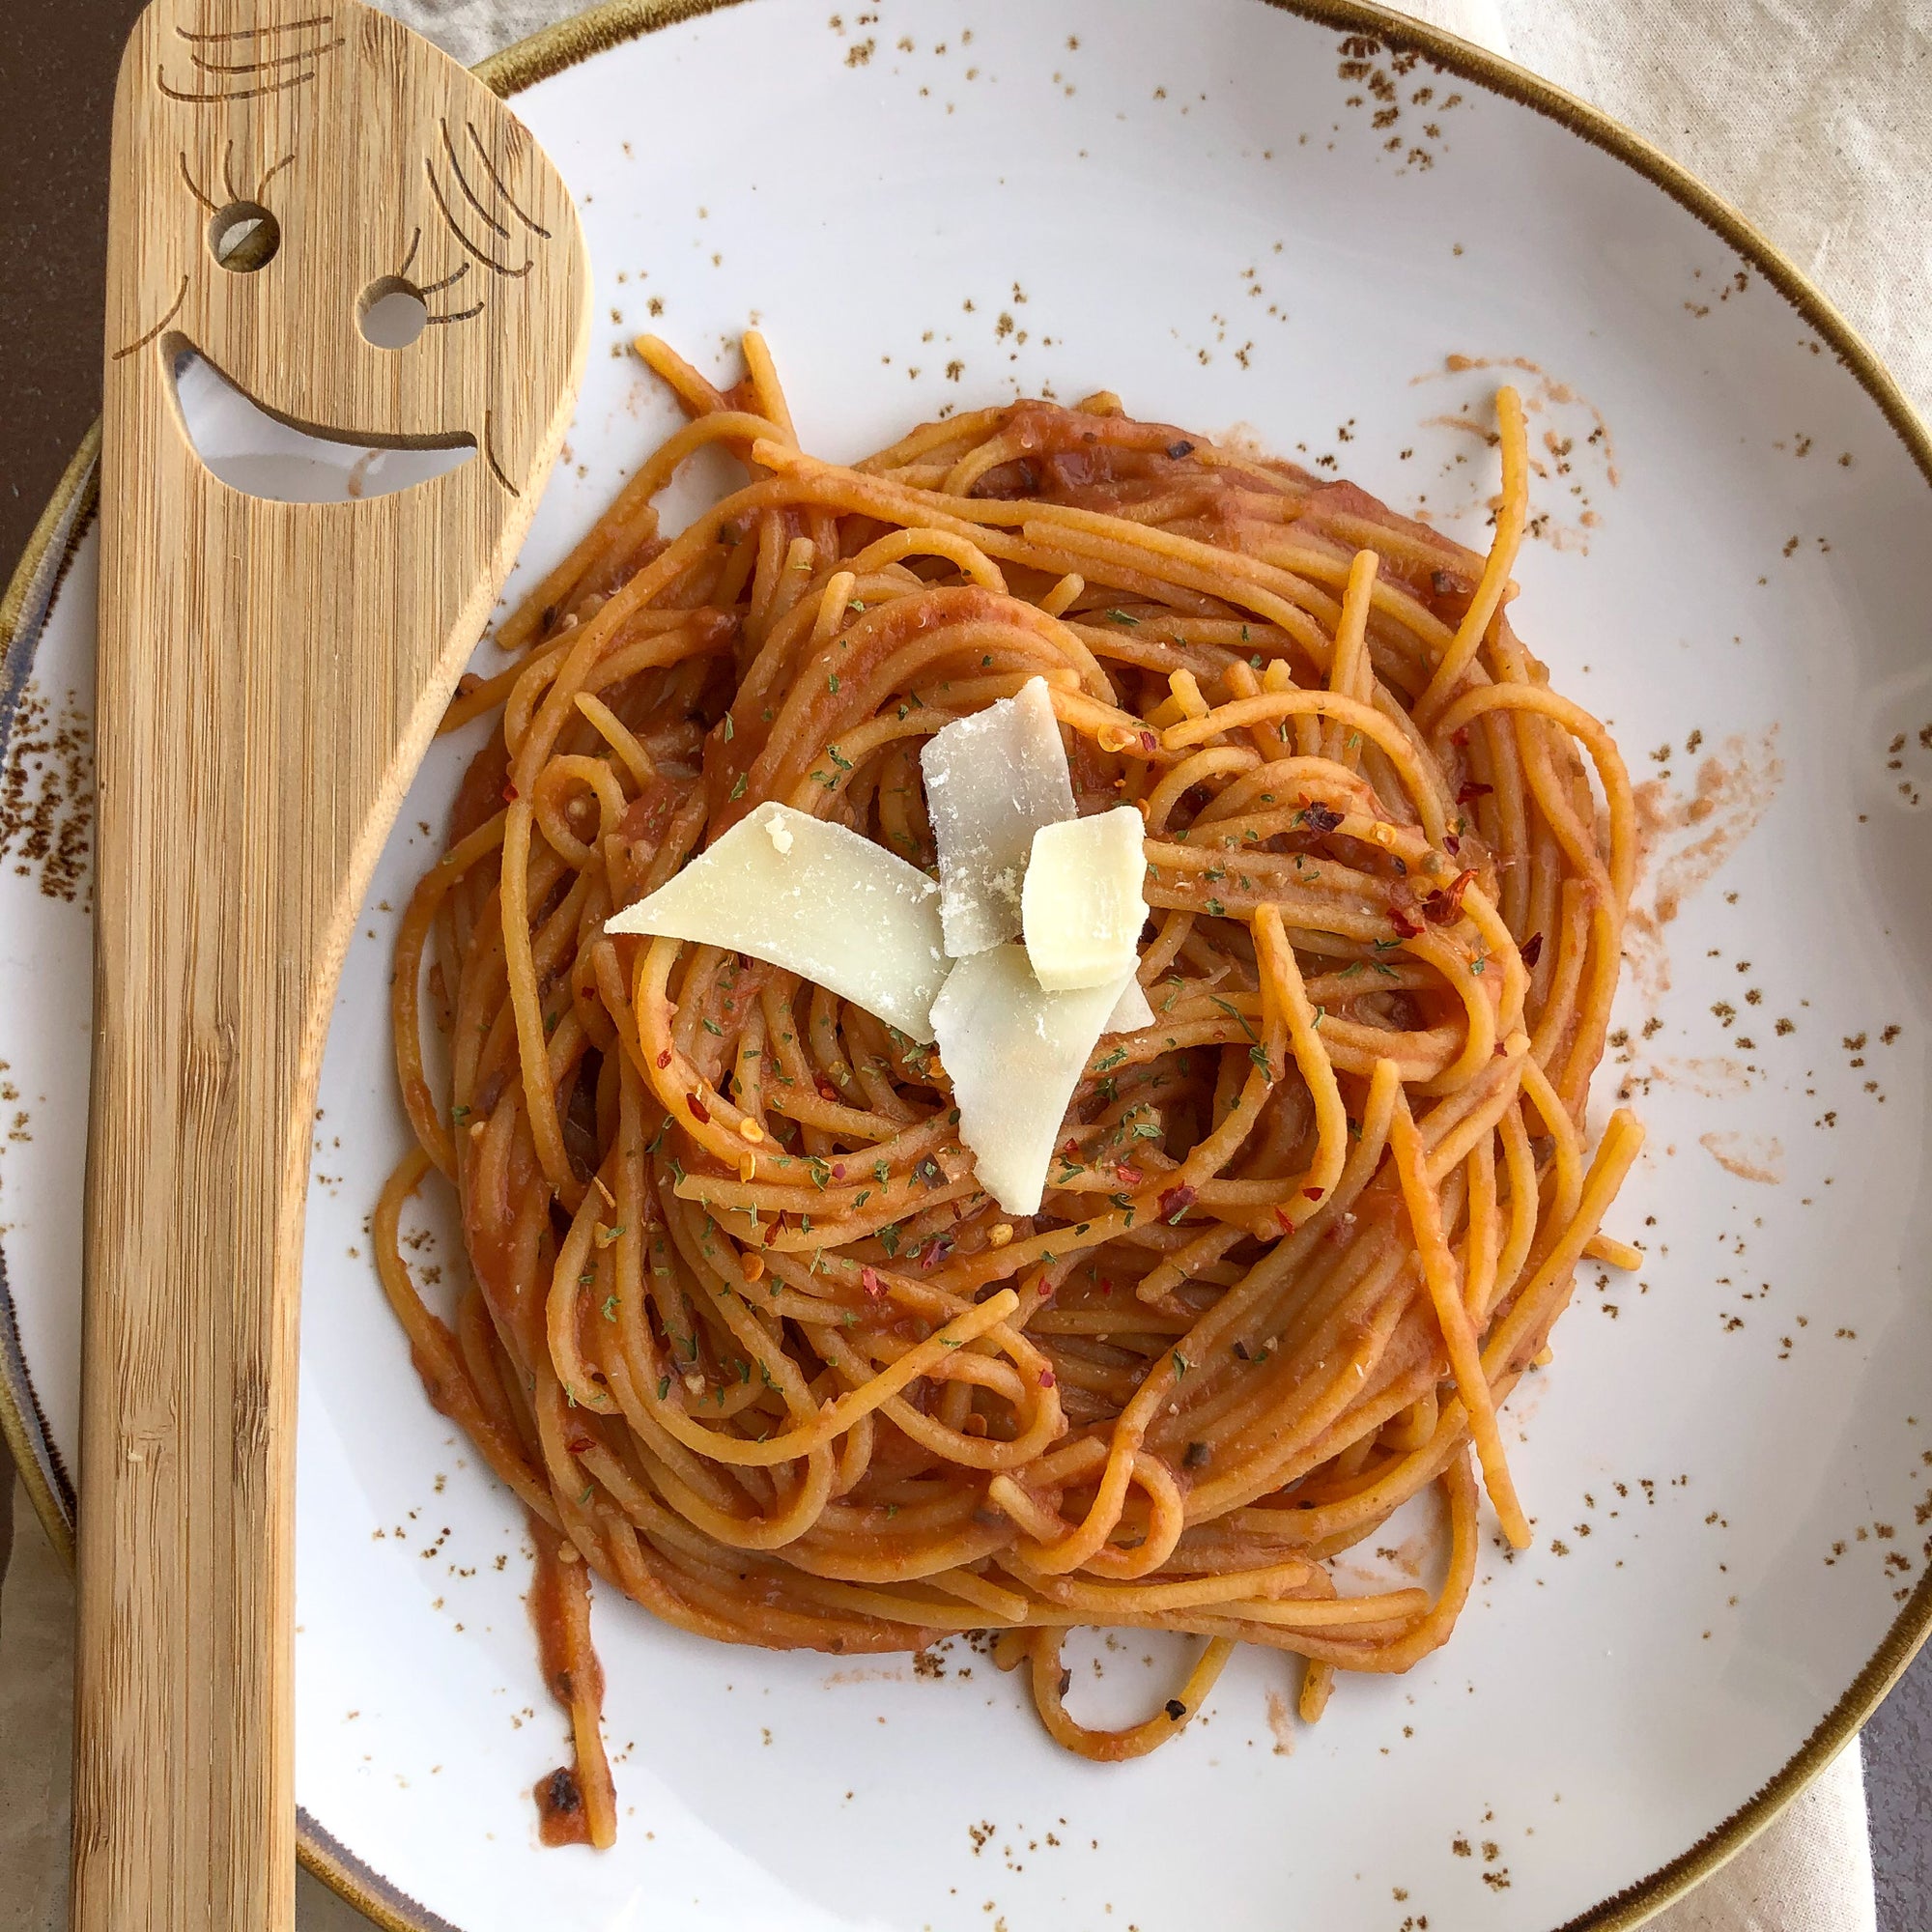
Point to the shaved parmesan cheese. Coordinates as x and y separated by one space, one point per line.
1014 1054
816 899
1084 902
991 782
1132 1011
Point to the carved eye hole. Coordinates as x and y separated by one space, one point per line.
393 313
243 236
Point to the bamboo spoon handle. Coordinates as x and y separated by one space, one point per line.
269 677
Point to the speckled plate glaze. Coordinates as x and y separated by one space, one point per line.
1343 235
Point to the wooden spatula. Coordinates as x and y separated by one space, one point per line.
269 674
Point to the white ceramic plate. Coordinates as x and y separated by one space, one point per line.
1230 213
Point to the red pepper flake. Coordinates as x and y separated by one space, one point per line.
1532 949
869 1280
826 1091
510 793
1046 1378
1313 1193
1319 819
1287 1220
839 1169
1460 737
1149 743
698 1111
1106 1285
1175 1202
1127 1173
1068 1147
580 1443
1472 792
1407 928
1452 843
1445 907
941 1246
664 1060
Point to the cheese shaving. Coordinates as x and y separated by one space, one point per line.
1084 902
991 782
1014 1054
816 899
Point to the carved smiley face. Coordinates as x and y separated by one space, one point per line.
305 176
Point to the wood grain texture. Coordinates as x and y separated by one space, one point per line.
269 674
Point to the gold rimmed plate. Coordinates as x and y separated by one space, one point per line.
1340 233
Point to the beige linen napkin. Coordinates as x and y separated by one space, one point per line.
1807 117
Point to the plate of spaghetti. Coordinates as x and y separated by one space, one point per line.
1090 1151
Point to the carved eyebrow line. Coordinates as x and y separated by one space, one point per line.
488 261
459 315
483 154
229 93
430 288
262 66
260 33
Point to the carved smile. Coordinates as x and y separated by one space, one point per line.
265 455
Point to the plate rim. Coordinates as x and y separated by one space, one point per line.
37 579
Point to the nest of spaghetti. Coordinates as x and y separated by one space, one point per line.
741 1329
